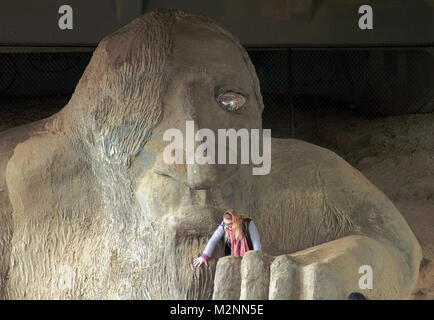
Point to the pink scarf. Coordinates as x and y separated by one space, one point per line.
238 246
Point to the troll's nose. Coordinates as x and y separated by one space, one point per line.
204 176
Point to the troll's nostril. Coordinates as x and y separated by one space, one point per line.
164 174
199 185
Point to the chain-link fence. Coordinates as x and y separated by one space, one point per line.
35 85
295 83
372 82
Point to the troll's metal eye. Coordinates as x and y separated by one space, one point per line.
231 101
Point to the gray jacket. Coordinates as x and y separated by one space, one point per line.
220 233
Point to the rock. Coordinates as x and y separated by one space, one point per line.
255 275
227 282
285 271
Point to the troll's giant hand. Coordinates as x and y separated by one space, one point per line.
333 233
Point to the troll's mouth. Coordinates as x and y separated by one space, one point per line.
195 220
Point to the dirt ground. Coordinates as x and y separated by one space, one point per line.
396 153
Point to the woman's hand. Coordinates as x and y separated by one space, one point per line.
198 262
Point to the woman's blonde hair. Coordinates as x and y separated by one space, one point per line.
237 223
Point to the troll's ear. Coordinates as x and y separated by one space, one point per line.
124 142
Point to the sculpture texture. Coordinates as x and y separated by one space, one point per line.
89 209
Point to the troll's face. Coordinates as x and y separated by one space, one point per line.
192 70
206 68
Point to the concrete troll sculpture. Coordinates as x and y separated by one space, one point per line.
89 209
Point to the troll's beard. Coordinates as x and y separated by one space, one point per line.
150 260
171 273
